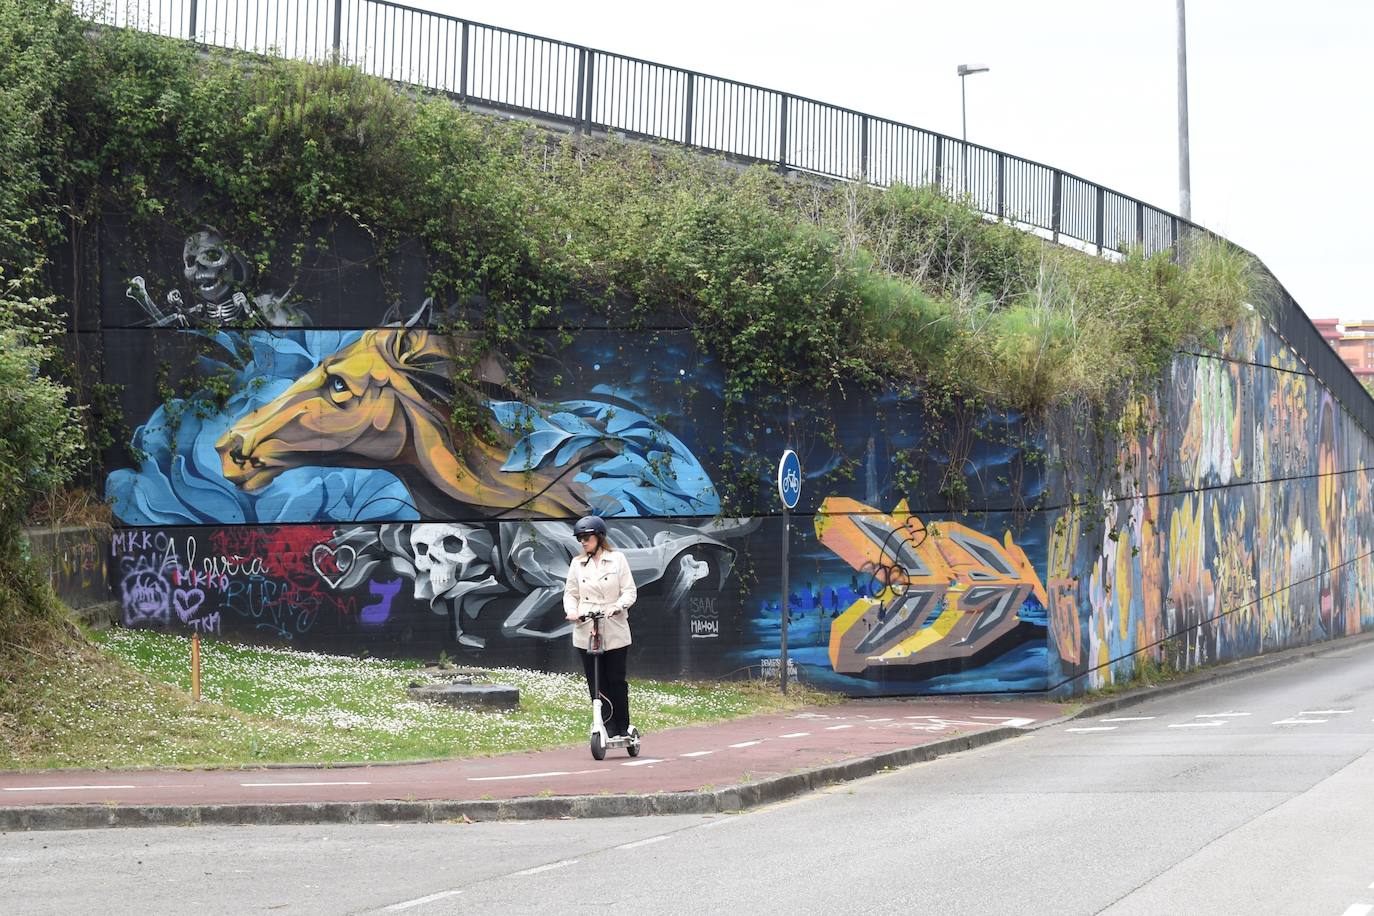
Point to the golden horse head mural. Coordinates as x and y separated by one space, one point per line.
384 402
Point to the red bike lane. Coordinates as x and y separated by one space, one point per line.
677 760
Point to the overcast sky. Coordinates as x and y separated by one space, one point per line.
1281 96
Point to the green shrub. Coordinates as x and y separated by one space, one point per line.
40 435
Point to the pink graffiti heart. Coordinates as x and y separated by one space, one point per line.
186 601
332 564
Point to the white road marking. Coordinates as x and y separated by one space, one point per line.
696 753
1358 909
418 901
1009 722
542 868
1297 722
640 763
746 744
1128 719
60 788
1095 728
887 719
795 735
831 728
1212 724
1220 715
530 775
274 785
637 843
1325 712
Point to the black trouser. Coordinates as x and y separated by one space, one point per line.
615 690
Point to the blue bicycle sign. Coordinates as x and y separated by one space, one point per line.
789 479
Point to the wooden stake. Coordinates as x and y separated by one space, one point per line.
195 667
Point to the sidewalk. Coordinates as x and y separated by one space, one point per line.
724 767
720 767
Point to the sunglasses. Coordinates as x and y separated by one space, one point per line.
585 535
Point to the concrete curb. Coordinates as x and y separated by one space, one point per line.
730 799
1208 676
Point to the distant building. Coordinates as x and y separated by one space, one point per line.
1353 341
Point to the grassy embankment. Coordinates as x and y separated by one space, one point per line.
125 701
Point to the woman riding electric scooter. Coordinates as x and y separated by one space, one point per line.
599 583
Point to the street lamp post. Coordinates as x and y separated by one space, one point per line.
1185 189
965 70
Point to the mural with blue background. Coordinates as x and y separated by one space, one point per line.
297 479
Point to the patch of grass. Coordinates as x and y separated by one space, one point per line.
126 703
1148 672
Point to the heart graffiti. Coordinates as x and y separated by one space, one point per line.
186 601
331 563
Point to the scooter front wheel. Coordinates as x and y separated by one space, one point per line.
598 747
633 746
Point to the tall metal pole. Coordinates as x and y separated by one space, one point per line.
963 105
1185 191
963 117
786 543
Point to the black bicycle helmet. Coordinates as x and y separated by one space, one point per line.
592 524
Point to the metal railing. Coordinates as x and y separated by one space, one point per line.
598 91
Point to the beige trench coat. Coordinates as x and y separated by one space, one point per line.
603 584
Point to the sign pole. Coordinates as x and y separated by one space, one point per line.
789 491
786 543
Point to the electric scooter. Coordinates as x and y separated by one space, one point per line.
599 739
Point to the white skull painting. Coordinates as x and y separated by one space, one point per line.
211 266
443 557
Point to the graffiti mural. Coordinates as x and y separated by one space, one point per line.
353 426
1227 528
929 593
299 480
215 273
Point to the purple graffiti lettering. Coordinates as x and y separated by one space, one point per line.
207 624
378 612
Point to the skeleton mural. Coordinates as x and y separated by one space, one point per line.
460 569
215 273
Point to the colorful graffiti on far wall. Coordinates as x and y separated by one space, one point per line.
1241 524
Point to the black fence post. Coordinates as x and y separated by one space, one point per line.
1101 217
863 148
782 135
939 162
195 15
591 83
1057 202
1140 224
691 108
581 86
463 63
1001 185
1173 239
338 26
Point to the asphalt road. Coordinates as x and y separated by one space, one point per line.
1248 796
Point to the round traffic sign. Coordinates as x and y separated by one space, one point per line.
789 479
